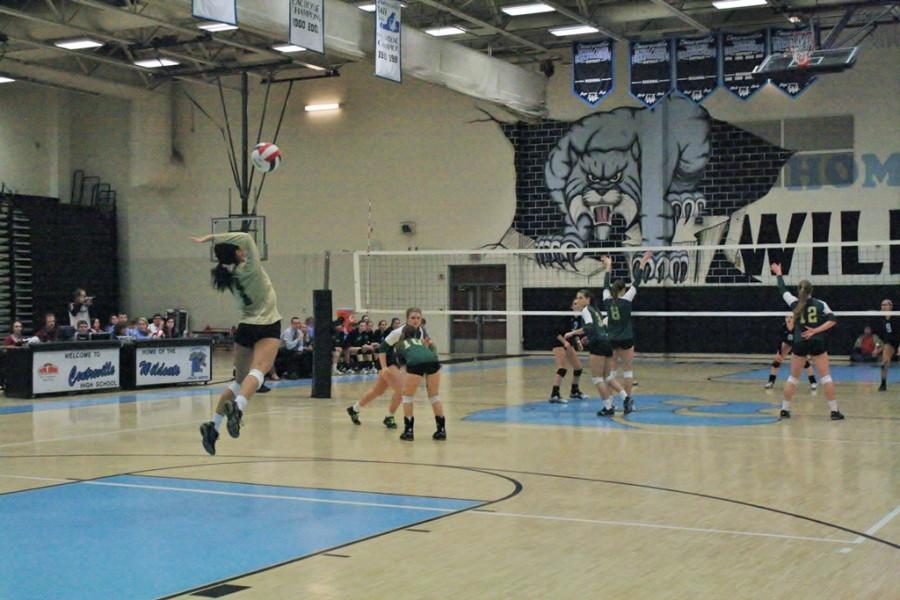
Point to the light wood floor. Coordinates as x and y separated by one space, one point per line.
655 511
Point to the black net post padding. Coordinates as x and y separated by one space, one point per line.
322 344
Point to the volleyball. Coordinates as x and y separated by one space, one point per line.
266 157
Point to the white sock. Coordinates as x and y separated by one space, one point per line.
356 406
241 401
785 405
623 395
217 420
832 404
608 403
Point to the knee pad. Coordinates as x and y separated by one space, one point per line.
235 388
629 374
408 399
434 399
612 374
776 364
561 372
577 373
792 379
826 379
596 380
259 375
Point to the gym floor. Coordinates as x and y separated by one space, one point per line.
701 493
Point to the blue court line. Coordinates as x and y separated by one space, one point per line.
858 373
143 537
143 396
651 409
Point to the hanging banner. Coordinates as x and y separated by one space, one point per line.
650 68
796 82
387 40
593 70
697 66
307 26
741 53
224 11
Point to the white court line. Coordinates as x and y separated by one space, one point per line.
881 523
658 526
452 510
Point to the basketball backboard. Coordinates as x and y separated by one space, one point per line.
833 60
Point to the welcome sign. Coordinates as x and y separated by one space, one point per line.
75 370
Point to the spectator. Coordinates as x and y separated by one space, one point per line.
15 338
157 324
395 323
121 330
169 329
113 320
79 308
381 332
143 329
310 328
49 332
294 357
339 339
82 331
96 327
867 347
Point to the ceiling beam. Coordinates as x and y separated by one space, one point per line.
584 20
194 32
484 24
100 34
682 15
81 55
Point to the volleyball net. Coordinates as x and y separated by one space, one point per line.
685 291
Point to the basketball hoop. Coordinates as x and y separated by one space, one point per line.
801 48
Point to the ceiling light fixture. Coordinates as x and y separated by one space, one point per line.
314 67
155 63
517 10
726 4
6 79
366 7
573 30
443 31
321 107
216 27
78 44
288 48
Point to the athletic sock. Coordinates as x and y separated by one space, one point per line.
785 405
832 404
555 391
440 422
217 420
623 394
772 378
608 403
241 401
812 379
356 406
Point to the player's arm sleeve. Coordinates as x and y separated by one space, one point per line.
606 294
393 337
586 316
630 294
829 314
636 278
788 297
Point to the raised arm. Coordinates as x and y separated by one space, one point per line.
789 298
242 240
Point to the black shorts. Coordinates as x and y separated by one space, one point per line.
621 344
247 335
811 347
781 344
600 348
891 342
429 368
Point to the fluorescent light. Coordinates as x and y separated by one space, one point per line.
314 67
527 9
442 31
215 27
288 48
321 107
6 79
367 7
78 44
573 30
153 63
726 4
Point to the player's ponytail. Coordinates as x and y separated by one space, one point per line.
409 332
226 254
804 292
617 288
